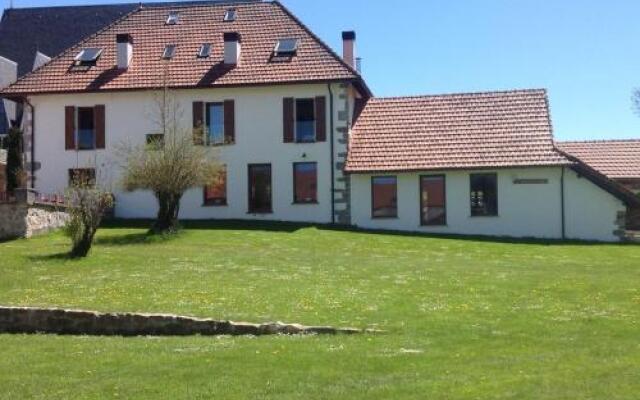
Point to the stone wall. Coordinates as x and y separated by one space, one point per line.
22 220
69 322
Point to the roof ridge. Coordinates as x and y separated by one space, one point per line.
154 4
453 94
594 141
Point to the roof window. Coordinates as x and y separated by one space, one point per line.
88 56
204 51
173 18
286 47
169 51
230 15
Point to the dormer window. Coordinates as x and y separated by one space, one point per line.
173 18
230 15
204 51
169 51
286 48
88 56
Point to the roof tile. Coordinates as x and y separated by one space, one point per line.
617 159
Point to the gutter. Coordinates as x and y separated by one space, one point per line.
332 160
33 141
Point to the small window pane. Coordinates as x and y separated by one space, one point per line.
155 140
169 51
305 180
86 132
173 18
305 120
484 195
384 192
286 47
432 200
204 51
215 123
88 55
215 194
230 15
82 177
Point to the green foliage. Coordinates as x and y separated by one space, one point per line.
15 170
464 318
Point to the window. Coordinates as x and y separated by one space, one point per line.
88 56
204 51
433 209
86 132
286 47
305 182
215 194
230 15
305 121
169 51
384 197
82 177
173 18
155 140
484 195
215 124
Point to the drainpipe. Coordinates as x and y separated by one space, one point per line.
562 205
331 145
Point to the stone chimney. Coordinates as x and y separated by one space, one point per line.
231 48
349 48
124 50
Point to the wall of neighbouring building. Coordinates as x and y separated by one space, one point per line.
524 210
258 136
21 220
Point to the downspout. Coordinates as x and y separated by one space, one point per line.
331 146
562 205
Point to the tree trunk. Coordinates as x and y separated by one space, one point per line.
169 207
81 248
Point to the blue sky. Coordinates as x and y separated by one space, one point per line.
585 52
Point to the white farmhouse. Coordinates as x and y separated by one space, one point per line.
302 137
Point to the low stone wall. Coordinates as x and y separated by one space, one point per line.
21 220
70 322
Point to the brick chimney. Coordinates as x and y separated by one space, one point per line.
124 43
349 48
231 48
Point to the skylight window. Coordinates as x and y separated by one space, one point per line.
286 47
204 51
88 56
230 15
169 51
173 18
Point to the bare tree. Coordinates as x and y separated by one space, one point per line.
169 165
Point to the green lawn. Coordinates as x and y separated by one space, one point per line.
463 318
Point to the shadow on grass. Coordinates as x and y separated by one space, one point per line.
291 227
66 256
134 239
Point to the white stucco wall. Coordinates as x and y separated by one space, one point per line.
524 210
258 139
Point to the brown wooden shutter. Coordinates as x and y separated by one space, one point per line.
229 121
99 124
321 119
288 119
198 123
70 128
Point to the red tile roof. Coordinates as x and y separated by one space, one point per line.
259 24
473 130
617 159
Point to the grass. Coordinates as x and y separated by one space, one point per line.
464 318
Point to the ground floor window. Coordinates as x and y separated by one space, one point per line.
484 195
305 182
433 200
82 177
384 197
215 194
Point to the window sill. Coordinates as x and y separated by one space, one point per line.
434 225
84 149
215 204
484 216
383 218
305 203
261 212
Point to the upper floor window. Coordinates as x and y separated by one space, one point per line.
215 124
230 15
169 51
173 18
215 194
305 121
88 56
484 195
305 182
384 197
84 128
204 51
286 47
